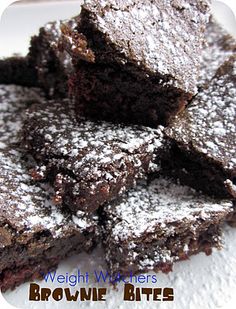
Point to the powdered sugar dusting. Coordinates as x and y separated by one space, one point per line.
158 206
26 207
51 33
209 124
92 155
163 36
157 223
220 46
13 102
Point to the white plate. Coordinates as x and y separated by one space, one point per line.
201 282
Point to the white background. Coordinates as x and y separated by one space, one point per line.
200 283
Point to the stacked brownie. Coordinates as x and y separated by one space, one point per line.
91 164
144 55
142 157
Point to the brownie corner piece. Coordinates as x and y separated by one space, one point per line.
203 137
159 223
146 63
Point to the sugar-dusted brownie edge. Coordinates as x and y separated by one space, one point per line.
159 223
89 163
122 42
202 138
34 235
44 66
220 45
110 80
53 67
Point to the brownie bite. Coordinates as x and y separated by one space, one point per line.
52 67
159 223
136 61
89 163
203 137
220 45
34 234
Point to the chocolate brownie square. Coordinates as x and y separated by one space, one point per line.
203 137
159 223
136 61
89 163
34 234
52 67
220 46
